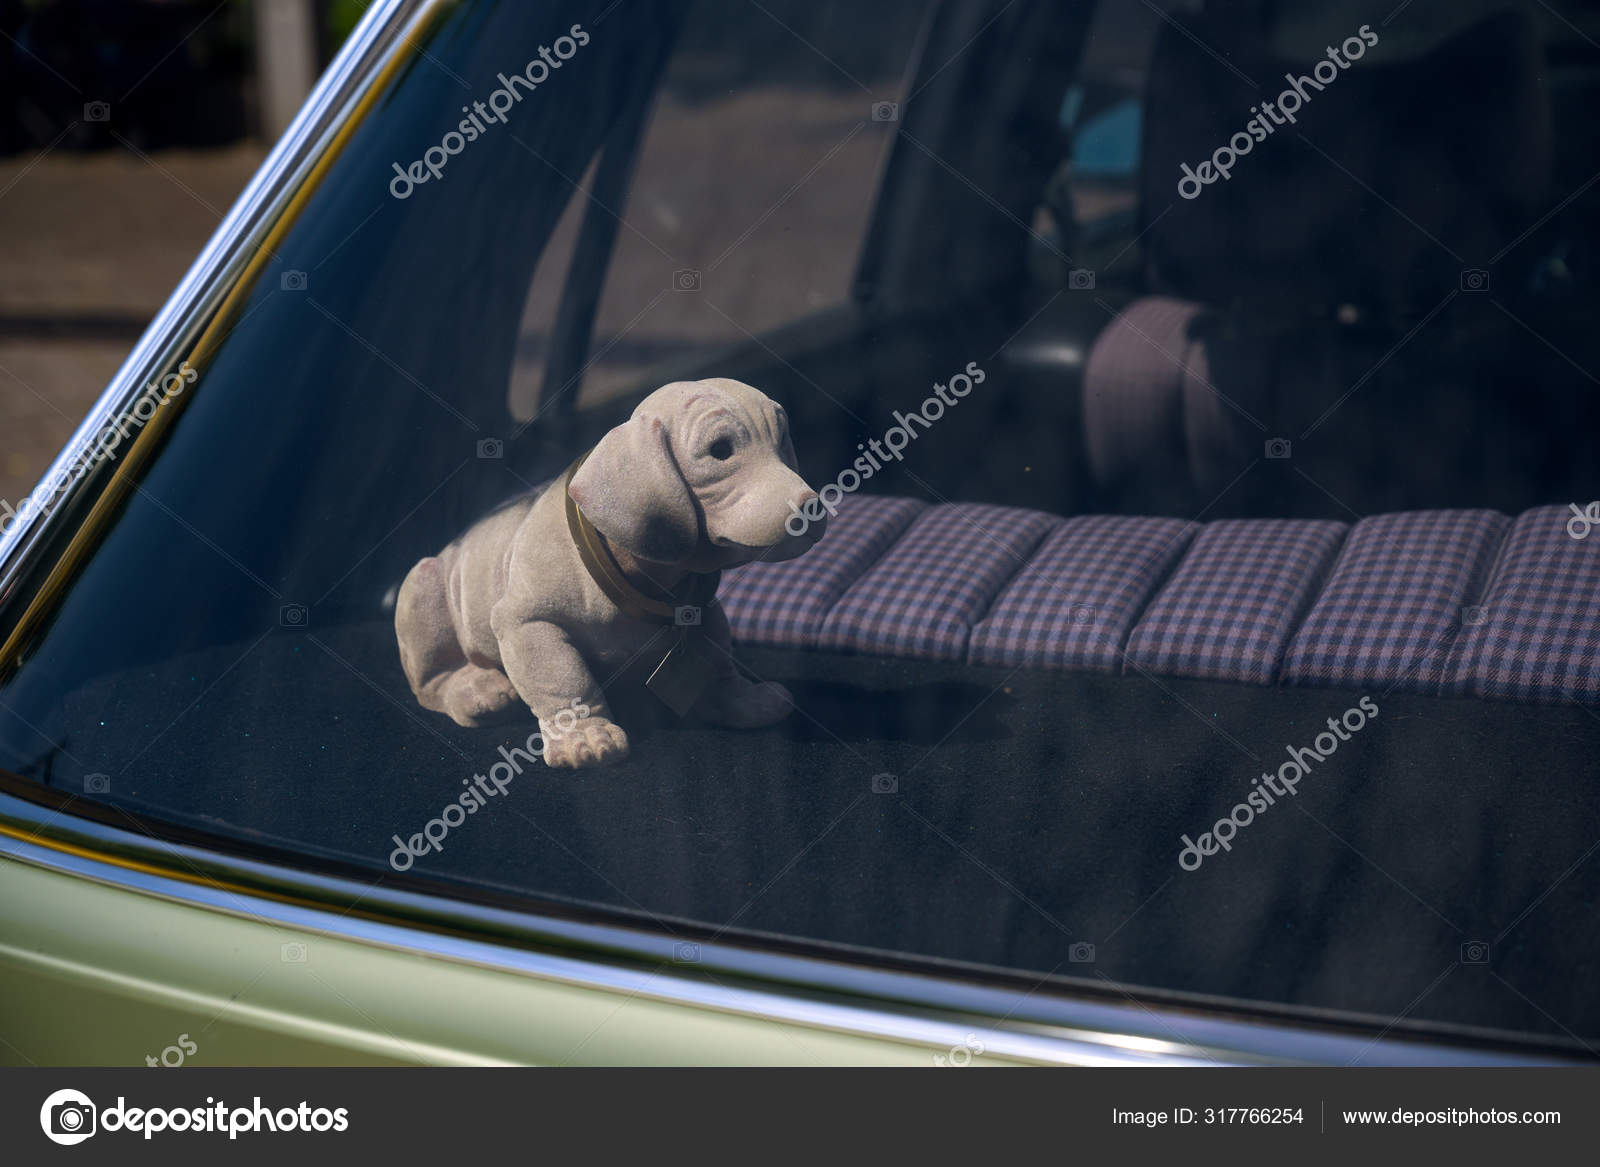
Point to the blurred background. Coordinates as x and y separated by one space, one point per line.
127 129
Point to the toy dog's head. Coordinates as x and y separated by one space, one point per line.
702 476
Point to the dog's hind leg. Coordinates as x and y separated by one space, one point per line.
440 675
477 695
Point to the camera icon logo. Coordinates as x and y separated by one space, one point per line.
97 783
293 281
293 616
67 1117
1081 953
491 448
1080 279
1475 952
1472 616
961 1055
97 111
1474 279
885 784
686 616
685 952
1278 448
686 280
1083 614
294 952
885 111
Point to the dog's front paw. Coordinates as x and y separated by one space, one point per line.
590 741
740 704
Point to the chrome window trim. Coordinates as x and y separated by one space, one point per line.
936 1033
214 273
1041 1024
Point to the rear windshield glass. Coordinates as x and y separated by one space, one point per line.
1100 491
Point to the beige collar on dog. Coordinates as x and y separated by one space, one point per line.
697 591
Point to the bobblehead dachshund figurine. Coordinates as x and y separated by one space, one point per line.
612 572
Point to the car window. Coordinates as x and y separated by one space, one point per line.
1151 533
1093 191
777 239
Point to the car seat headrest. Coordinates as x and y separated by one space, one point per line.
1397 173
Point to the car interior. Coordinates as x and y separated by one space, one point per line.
1322 433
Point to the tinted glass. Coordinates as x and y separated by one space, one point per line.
1200 399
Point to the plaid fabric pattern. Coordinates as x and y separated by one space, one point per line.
1235 600
1073 605
1393 604
1535 634
1510 607
922 598
785 603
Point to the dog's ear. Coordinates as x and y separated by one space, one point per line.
630 489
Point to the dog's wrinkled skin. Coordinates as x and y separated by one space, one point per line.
701 477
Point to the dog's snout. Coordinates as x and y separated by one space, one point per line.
806 503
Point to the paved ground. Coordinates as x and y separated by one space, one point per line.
90 246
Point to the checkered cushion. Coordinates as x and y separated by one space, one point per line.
1258 601
1072 606
1535 634
1235 600
922 599
1392 607
786 603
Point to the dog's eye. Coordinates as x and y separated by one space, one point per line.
721 449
